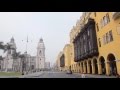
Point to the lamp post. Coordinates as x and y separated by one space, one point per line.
22 63
22 66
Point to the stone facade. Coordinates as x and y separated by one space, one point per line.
40 58
47 65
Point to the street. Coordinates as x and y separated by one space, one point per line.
55 74
51 74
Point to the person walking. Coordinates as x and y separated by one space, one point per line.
83 75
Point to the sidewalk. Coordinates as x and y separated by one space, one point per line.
95 76
30 75
8 76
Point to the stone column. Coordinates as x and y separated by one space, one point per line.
81 68
84 67
107 68
77 67
117 65
88 67
99 68
93 67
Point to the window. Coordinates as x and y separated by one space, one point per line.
89 46
107 37
110 36
118 30
99 42
108 18
95 14
101 23
85 48
40 52
84 37
88 32
104 39
105 20
97 27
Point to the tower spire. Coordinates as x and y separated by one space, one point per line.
41 40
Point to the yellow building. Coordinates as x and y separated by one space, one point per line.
58 61
108 36
75 30
67 54
94 44
105 57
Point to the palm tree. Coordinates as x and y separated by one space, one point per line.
1 45
7 47
16 55
1 58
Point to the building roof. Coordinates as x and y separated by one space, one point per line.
41 44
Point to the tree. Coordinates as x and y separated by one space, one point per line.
7 47
1 45
16 55
1 58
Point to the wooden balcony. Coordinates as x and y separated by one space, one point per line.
116 15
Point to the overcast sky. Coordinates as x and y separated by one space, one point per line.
53 27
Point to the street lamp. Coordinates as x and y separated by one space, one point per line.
22 62
22 67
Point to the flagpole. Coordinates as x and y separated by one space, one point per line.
26 52
26 44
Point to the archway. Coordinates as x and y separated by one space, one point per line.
103 68
112 63
81 67
85 67
90 66
96 66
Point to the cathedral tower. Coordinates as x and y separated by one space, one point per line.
40 59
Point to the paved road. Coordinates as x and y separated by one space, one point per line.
53 74
50 74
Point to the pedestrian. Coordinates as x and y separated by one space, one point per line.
83 75
111 71
116 74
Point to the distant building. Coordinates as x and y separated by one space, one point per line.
32 63
47 65
8 61
40 58
1 63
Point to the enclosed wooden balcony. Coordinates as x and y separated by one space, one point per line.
116 15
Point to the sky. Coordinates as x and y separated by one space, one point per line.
53 27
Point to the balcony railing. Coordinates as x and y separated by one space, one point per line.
116 15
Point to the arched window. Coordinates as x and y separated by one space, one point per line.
108 18
40 52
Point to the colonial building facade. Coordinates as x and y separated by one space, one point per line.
94 43
9 60
9 63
